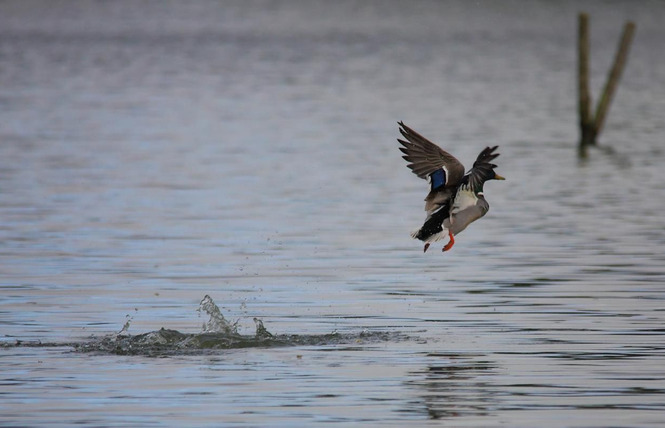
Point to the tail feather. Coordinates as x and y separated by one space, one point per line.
425 236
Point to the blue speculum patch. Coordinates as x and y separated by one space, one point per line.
438 178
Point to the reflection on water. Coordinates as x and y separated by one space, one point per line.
454 387
152 153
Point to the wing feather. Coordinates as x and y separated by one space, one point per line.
425 157
483 168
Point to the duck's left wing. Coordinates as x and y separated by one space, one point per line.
425 158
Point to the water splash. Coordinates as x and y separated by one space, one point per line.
125 327
166 342
217 334
217 323
261 331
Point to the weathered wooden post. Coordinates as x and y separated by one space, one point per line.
613 78
586 124
590 127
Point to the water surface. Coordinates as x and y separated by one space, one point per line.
153 153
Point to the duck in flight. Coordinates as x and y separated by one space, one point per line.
455 199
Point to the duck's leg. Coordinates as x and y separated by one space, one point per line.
426 247
450 243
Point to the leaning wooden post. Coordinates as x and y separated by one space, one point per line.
590 127
613 79
586 125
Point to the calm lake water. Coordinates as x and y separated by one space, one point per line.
153 153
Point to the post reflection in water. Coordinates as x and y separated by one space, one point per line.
457 385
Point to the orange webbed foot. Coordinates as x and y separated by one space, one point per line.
450 243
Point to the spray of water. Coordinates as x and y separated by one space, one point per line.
125 327
216 323
261 331
217 334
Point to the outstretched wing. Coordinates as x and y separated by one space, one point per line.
426 158
483 168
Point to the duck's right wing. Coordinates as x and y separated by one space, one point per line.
483 168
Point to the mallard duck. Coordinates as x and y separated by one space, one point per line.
455 199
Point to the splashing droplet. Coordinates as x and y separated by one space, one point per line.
217 323
261 331
125 327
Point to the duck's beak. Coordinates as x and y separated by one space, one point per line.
498 177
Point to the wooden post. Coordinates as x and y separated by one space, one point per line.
613 78
586 125
590 127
